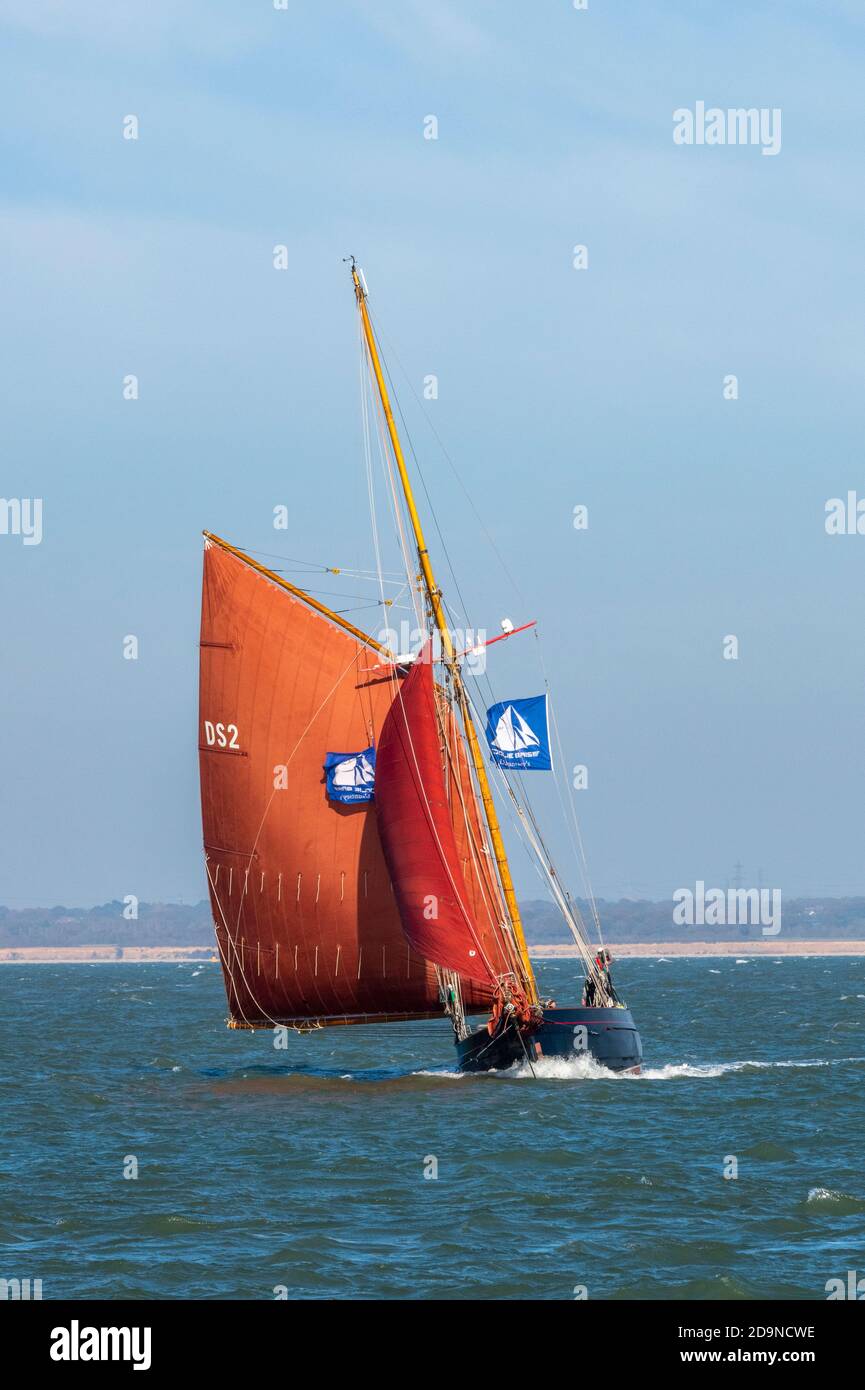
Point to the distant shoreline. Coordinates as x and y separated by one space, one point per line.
106 955
652 950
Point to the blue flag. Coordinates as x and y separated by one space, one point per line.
518 734
350 776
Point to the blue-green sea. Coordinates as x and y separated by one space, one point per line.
356 1164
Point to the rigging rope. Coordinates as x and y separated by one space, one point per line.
396 683
525 816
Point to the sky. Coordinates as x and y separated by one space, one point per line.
558 387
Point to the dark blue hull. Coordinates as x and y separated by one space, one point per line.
609 1036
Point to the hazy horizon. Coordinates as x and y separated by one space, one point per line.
525 900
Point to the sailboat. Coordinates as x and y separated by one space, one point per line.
374 886
513 734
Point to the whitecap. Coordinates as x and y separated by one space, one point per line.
583 1068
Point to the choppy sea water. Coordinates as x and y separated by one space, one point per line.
264 1172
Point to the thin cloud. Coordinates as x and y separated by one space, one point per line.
413 27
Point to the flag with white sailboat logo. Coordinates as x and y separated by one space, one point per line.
518 734
350 776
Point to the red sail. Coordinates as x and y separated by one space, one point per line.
305 916
439 912
484 894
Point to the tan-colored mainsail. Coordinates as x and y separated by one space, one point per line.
305 917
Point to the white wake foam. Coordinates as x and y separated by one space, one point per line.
587 1069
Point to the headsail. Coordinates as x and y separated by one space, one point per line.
482 885
414 816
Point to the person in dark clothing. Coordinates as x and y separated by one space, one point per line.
600 990
608 978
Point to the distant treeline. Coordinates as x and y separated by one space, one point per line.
179 924
157 924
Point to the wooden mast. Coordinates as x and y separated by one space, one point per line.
435 601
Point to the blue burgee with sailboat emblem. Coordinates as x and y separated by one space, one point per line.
350 776
518 734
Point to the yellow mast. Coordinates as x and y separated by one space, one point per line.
434 595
